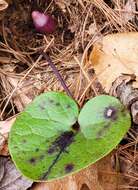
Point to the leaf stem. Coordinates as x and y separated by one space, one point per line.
56 72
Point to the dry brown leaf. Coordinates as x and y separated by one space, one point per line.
20 98
107 176
3 5
113 55
99 176
86 178
7 60
5 127
10 178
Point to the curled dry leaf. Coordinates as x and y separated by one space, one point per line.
113 55
10 178
5 127
3 5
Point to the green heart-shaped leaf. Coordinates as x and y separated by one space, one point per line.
47 142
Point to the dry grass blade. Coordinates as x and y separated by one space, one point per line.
115 18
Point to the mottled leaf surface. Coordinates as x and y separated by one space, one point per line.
50 139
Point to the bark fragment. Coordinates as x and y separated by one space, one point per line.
123 89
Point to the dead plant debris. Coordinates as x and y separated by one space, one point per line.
10 178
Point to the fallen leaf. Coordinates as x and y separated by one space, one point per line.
85 178
5 127
10 178
99 176
6 60
21 98
107 176
113 55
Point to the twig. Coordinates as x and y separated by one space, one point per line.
56 72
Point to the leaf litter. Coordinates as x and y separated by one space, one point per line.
10 178
24 63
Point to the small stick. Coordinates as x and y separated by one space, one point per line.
58 75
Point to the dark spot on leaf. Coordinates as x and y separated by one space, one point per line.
110 113
51 150
42 157
25 170
32 161
15 147
37 150
62 142
106 126
42 107
68 106
24 141
102 132
69 168
76 126
60 145
57 104
51 101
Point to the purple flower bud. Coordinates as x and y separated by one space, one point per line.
43 23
